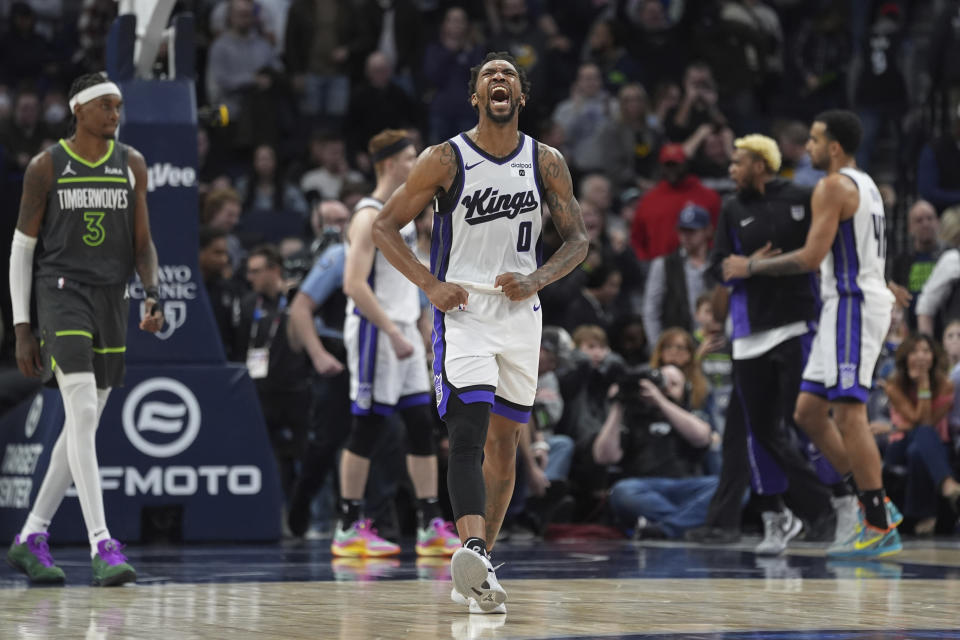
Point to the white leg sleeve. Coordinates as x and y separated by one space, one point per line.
56 481
79 391
102 396
55 484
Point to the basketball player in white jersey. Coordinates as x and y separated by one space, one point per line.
847 241
388 369
490 184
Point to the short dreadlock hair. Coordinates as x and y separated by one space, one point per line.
499 55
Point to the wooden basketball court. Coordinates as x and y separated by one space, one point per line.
573 590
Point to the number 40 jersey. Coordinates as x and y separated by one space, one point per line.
490 221
855 265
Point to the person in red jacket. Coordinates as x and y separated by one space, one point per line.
654 230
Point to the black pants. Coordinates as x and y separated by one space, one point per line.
764 398
287 416
767 388
330 427
330 417
727 502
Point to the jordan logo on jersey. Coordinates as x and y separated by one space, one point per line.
490 204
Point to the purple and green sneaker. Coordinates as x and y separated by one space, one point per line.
33 558
110 567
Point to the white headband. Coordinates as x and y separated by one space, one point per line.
92 93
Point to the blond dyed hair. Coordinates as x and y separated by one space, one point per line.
762 146
950 226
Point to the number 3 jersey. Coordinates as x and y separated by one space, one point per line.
87 233
489 221
855 265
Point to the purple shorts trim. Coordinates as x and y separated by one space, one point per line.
477 395
857 392
511 413
376 409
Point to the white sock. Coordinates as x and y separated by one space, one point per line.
56 481
95 538
80 404
34 524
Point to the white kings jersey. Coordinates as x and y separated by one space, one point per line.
399 298
855 265
489 222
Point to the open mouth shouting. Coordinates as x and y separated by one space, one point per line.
500 96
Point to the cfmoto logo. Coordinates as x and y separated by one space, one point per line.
157 416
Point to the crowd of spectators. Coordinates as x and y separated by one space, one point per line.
644 98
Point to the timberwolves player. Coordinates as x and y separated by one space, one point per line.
388 369
490 183
847 239
86 198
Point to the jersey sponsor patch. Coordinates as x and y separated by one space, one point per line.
521 169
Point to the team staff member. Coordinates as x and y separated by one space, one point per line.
280 374
771 334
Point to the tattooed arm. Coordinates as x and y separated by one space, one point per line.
565 213
37 182
831 197
435 170
145 252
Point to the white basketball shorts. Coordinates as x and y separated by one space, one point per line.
488 352
846 347
380 383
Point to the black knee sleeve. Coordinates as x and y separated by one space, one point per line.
419 423
467 426
364 435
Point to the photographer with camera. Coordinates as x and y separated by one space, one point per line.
698 106
659 446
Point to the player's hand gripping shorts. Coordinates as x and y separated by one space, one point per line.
488 352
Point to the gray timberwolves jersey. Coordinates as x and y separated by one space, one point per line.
489 223
87 233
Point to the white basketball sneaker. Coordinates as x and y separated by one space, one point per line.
778 530
848 517
472 603
474 577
